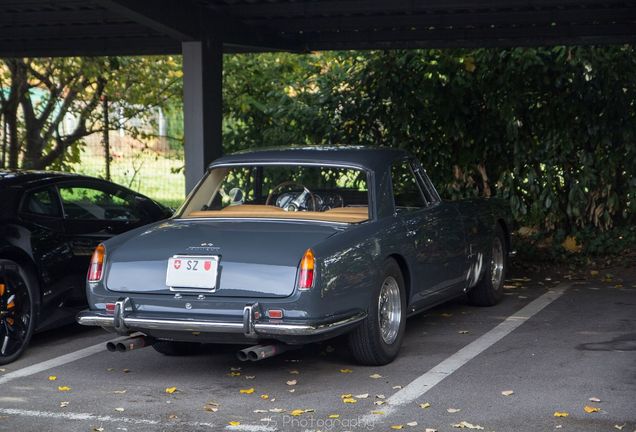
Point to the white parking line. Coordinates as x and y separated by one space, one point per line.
96 418
434 376
55 362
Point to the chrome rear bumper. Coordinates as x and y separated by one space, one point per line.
124 321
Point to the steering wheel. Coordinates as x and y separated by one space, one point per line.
292 183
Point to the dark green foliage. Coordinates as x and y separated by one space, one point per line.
551 130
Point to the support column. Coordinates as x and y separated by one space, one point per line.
202 106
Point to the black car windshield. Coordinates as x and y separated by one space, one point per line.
325 193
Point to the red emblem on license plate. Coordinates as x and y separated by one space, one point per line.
207 265
177 264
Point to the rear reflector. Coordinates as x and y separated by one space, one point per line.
96 267
110 307
306 274
275 313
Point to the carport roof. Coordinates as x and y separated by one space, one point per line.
119 27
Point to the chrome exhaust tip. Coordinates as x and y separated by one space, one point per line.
129 344
242 355
260 352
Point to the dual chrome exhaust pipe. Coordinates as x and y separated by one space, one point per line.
260 352
253 353
129 344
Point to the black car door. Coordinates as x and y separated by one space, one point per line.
94 212
41 215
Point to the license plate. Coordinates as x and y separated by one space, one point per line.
192 272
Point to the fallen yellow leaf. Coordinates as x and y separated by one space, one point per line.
345 371
397 427
375 376
334 416
346 395
590 409
561 414
570 244
234 374
377 412
425 405
119 409
171 390
52 378
247 391
297 412
594 272
234 423
507 392
264 396
349 400
64 388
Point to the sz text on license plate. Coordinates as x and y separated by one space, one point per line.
186 271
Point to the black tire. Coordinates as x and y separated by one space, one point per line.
487 292
173 348
366 341
18 307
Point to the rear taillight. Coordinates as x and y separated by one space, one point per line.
306 275
96 268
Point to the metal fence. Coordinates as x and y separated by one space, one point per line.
152 167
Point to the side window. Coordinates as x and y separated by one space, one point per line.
406 192
42 202
86 203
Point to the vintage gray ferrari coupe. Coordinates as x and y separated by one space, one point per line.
280 247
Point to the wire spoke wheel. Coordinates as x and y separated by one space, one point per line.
15 313
389 310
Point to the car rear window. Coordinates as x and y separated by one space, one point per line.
326 193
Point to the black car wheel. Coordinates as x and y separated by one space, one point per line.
489 290
17 311
377 340
174 348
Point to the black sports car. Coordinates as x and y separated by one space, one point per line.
50 223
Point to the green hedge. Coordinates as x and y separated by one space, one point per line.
551 130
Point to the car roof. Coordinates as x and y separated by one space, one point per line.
360 156
29 178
